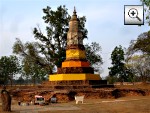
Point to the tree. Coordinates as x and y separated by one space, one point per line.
146 4
118 68
111 79
93 55
9 66
50 46
34 65
142 44
140 66
138 56
20 80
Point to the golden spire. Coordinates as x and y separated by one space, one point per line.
74 12
74 16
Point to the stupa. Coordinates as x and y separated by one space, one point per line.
75 67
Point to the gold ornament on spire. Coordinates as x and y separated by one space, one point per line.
74 16
74 12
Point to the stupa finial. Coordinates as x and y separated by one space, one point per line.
74 16
74 9
74 12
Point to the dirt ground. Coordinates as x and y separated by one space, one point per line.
121 105
131 102
134 104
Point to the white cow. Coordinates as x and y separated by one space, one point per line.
79 98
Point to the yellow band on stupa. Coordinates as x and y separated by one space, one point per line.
75 64
81 76
75 53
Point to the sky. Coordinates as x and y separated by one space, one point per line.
105 23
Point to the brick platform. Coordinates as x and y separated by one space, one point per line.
76 84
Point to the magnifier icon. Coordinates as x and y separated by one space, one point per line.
133 13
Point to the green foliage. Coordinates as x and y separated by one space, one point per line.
118 68
140 66
20 80
34 65
142 44
9 66
93 55
111 79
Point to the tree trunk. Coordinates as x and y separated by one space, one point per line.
6 100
